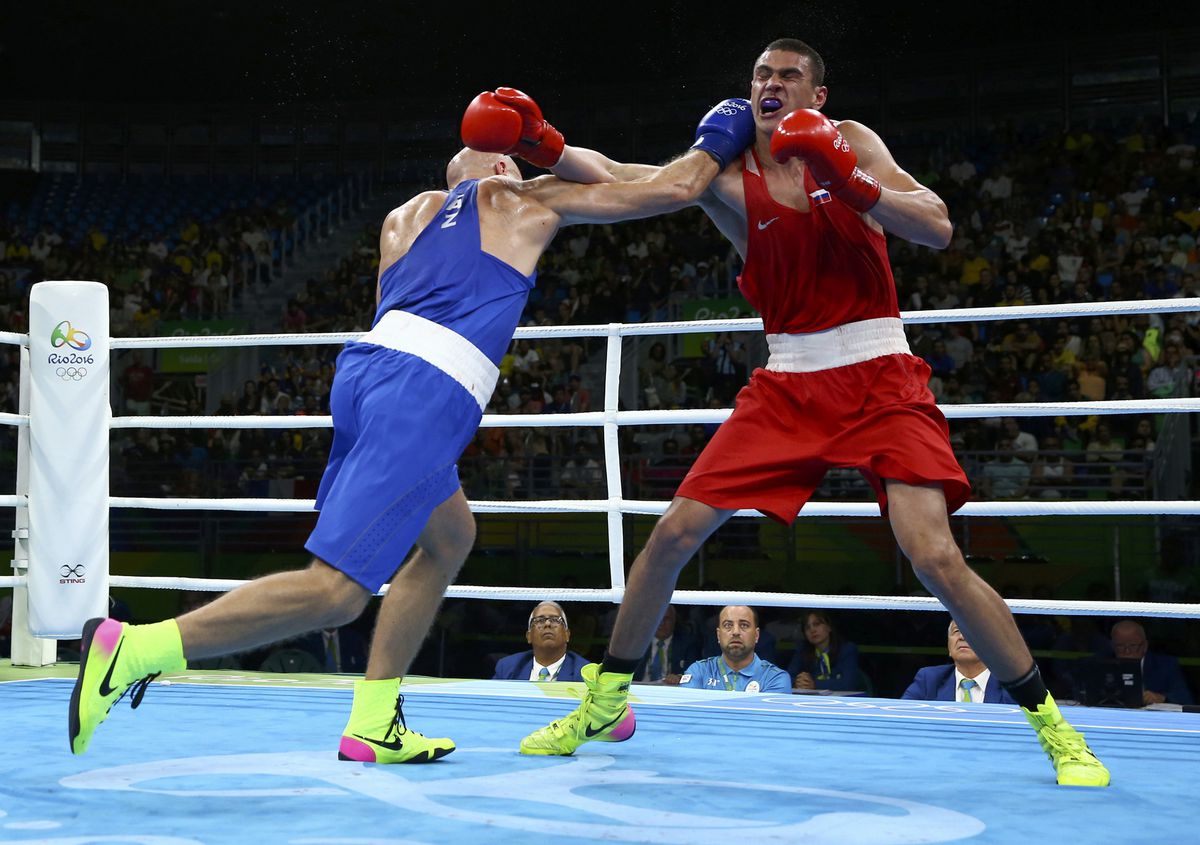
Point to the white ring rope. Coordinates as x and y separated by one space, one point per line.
711 598
673 417
1134 507
946 315
1041 312
615 506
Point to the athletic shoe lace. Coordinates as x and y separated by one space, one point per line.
399 727
1066 744
137 689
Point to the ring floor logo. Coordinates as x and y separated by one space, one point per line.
77 342
520 798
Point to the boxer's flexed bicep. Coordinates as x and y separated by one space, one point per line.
906 208
875 158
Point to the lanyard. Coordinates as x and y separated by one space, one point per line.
729 685
823 668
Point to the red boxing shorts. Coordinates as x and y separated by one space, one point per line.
788 429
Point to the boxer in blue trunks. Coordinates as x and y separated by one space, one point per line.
456 268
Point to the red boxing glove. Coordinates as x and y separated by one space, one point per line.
510 122
810 135
489 126
541 144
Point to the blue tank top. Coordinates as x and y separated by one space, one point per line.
447 278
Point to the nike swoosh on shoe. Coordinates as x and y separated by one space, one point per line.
105 689
391 745
591 731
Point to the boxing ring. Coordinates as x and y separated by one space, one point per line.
226 756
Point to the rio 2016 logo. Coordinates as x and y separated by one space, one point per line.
66 335
77 342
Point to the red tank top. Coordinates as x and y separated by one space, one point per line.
810 271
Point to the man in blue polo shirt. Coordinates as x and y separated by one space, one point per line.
737 667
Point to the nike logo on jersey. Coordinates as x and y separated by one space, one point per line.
591 731
391 745
762 224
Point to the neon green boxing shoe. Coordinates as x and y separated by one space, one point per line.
1074 762
603 715
113 658
377 732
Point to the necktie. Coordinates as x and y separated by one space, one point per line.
966 684
658 666
332 663
823 672
543 674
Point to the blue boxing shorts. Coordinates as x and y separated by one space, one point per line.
399 427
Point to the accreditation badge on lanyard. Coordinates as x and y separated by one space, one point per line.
752 686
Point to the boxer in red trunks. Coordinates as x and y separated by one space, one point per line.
807 206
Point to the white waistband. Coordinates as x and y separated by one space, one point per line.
444 348
840 346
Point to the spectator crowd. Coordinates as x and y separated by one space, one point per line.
1042 217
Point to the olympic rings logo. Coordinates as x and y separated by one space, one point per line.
65 335
71 373
730 108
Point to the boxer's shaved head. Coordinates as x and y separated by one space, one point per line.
471 164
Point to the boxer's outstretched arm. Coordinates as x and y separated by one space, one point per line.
579 164
726 130
906 208
670 188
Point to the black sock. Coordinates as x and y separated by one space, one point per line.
1029 690
618 664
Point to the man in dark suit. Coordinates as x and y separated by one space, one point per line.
336 649
548 658
965 680
671 651
1162 679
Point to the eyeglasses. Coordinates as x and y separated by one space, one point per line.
547 620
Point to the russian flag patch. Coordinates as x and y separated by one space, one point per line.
820 196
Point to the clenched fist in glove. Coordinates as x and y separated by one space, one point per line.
726 130
810 135
510 122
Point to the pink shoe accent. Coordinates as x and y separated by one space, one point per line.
624 730
107 634
356 750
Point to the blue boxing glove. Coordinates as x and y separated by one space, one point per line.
726 130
